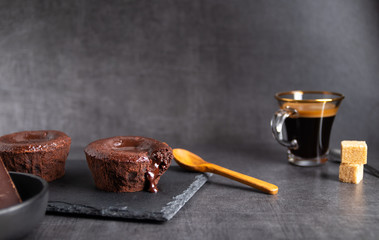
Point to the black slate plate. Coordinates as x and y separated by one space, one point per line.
76 194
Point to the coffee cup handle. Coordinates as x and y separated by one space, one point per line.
277 122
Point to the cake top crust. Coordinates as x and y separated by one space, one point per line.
125 148
34 141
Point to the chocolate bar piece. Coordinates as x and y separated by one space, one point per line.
8 192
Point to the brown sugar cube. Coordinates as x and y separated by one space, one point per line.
351 173
354 152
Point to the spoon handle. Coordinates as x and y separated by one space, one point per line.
242 178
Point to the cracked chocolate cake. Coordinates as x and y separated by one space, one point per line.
42 153
128 164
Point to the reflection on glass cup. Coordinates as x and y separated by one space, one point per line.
308 118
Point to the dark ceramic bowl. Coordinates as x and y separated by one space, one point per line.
19 220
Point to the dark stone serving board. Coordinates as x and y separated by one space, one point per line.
76 194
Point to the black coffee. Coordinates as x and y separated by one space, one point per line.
312 135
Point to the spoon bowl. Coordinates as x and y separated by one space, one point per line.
189 160
192 162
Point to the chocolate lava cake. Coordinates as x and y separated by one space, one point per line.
42 153
128 164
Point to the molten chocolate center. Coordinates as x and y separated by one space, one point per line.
130 146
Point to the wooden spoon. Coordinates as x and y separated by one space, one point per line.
192 162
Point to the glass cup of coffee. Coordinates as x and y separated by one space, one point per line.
307 117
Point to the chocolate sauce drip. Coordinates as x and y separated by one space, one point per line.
160 161
151 177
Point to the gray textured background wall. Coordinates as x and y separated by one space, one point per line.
186 72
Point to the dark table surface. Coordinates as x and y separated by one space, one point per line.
311 204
